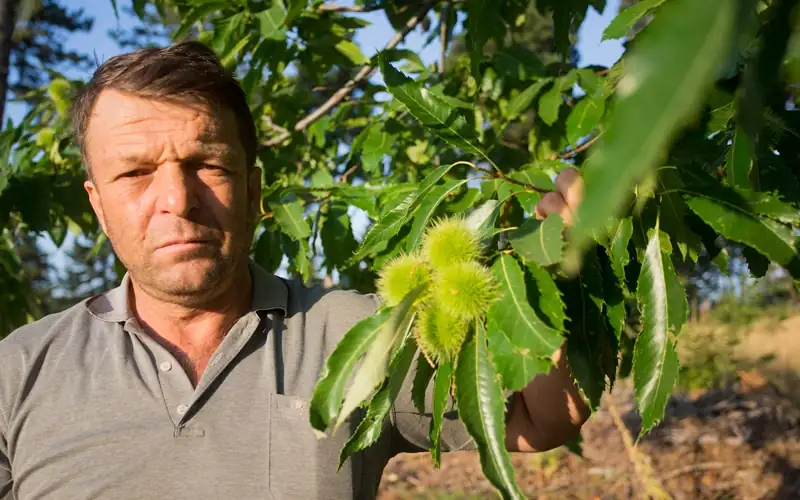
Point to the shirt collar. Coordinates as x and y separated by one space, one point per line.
269 293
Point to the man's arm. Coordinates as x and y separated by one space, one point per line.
5 465
549 411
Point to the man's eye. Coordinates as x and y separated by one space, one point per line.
135 173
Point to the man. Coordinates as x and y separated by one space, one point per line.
192 379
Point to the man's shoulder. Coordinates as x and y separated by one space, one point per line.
332 310
39 334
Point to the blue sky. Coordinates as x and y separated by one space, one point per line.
98 44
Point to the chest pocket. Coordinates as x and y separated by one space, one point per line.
302 466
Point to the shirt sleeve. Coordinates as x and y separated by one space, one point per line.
412 429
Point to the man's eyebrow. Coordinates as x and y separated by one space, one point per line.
209 151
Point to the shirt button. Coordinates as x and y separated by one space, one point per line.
182 409
165 366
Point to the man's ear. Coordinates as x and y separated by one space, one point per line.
94 199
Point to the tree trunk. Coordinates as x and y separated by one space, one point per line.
8 14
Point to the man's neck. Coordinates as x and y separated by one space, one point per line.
193 332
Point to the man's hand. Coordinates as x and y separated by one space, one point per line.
550 411
565 199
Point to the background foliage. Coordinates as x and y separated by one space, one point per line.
688 145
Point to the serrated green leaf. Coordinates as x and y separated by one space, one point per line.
271 21
740 160
667 74
483 24
769 205
518 62
522 101
550 103
422 377
294 10
512 313
516 363
290 218
539 241
614 298
442 384
481 407
268 252
337 237
375 366
329 390
662 301
426 209
619 235
776 241
370 427
621 25
351 51
591 350
464 201
431 111
545 297
377 144
535 176
390 223
397 54
584 117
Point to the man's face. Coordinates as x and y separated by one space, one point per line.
172 190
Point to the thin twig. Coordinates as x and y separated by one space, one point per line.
348 173
331 8
443 36
583 147
362 75
499 174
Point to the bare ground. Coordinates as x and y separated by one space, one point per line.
740 442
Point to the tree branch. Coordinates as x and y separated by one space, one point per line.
362 75
331 8
583 147
443 37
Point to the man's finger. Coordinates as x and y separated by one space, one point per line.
569 184
551 203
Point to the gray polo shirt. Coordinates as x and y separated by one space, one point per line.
92 407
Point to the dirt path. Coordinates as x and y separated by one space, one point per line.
739 443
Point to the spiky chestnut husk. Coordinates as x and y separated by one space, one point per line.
450 241
439 334
401 275
464 290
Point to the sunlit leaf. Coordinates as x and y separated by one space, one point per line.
662 301
442 384
524 99
482 408
539 241
371 426
431 111
622 25
427 208
289 216
667 73
351 51
513 315
584 117
375 365
390 223
740 160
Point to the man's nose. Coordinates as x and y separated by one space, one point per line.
176 190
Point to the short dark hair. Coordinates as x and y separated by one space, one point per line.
185 72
